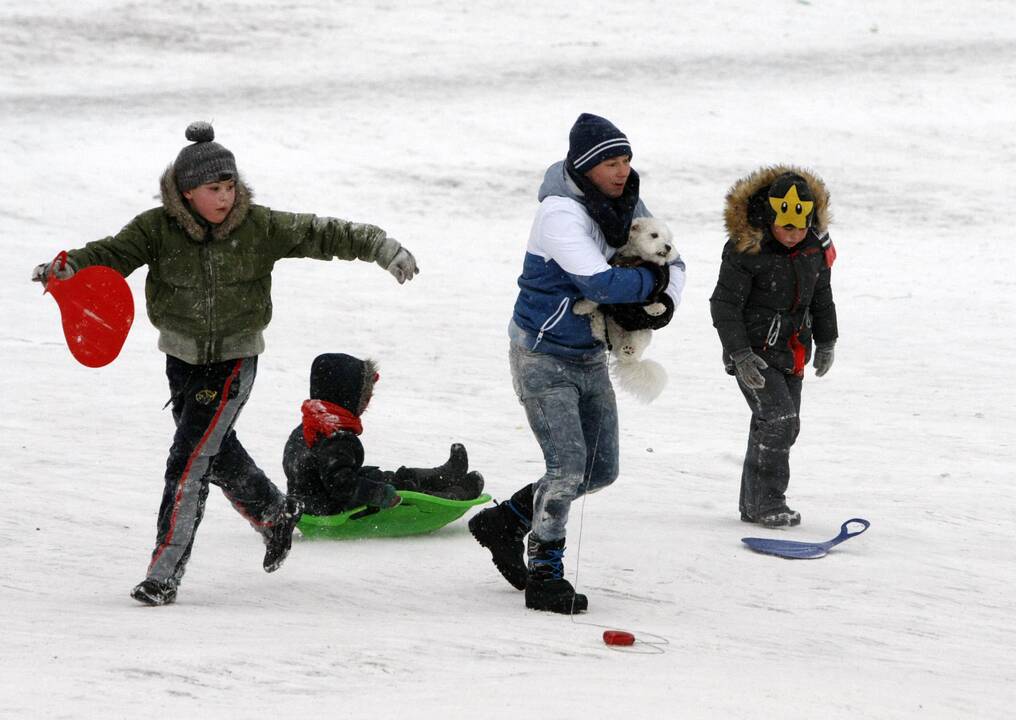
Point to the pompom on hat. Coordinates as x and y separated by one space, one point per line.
203 162
592 140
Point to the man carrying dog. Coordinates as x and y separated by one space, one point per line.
559 370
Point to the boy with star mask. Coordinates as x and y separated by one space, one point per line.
773 300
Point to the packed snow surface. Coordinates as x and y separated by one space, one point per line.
436 120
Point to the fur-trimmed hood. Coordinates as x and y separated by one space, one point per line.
746 236
177 207
343 380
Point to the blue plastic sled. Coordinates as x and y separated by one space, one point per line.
803 550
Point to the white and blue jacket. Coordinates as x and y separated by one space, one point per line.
566 260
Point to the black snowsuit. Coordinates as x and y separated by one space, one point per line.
329 478
775 301
328 475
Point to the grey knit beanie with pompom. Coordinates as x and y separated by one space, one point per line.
203 162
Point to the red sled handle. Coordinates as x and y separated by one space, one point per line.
61 257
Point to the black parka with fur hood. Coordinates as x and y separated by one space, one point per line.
768 297
209 286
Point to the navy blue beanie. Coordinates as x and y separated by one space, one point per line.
594 139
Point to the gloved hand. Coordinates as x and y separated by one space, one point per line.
661 279
633 316
747 365
823 358
403 266
61 271
373 491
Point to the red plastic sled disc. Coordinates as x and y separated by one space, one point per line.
618 637
97 310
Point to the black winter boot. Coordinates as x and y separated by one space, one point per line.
434 481
546 588
500 529
468 488
155 592
781 516
279 537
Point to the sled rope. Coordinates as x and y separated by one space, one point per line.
657 644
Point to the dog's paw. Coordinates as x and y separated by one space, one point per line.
584 307
626 351
655 309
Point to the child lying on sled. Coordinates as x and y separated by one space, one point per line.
323 459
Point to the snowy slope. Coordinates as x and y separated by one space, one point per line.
436 120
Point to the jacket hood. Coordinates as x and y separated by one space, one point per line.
343 380
746 236
176 205
557 183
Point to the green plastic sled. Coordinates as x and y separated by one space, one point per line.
418 513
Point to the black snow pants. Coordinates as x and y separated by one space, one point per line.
207 400
775 423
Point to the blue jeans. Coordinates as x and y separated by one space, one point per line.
572 411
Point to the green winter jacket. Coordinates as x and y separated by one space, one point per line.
209 287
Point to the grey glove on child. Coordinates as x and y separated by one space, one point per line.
823 358
402 264
61 271
747 365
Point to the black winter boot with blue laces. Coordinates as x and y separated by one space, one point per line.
546 588
501 529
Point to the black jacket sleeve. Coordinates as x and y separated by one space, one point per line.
823 309
348 482
726 305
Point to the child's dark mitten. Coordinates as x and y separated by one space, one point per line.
747 366
823 358
374 491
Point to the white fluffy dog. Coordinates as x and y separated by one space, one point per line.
649 240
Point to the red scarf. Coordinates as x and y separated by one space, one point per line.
322 418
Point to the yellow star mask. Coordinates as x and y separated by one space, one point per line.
791 209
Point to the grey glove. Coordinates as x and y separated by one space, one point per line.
823 358
403 266
747 365
61 271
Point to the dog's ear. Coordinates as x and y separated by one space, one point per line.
636 226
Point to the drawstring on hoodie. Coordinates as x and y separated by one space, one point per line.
554 319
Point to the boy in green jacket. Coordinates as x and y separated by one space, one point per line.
210 253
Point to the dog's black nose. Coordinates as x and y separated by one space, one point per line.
666 248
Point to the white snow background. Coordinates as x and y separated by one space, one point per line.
436 120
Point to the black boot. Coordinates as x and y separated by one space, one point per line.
279 537
155 592
468 488
781 516
500 529
434 481
546 588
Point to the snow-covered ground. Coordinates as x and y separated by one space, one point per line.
436 120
